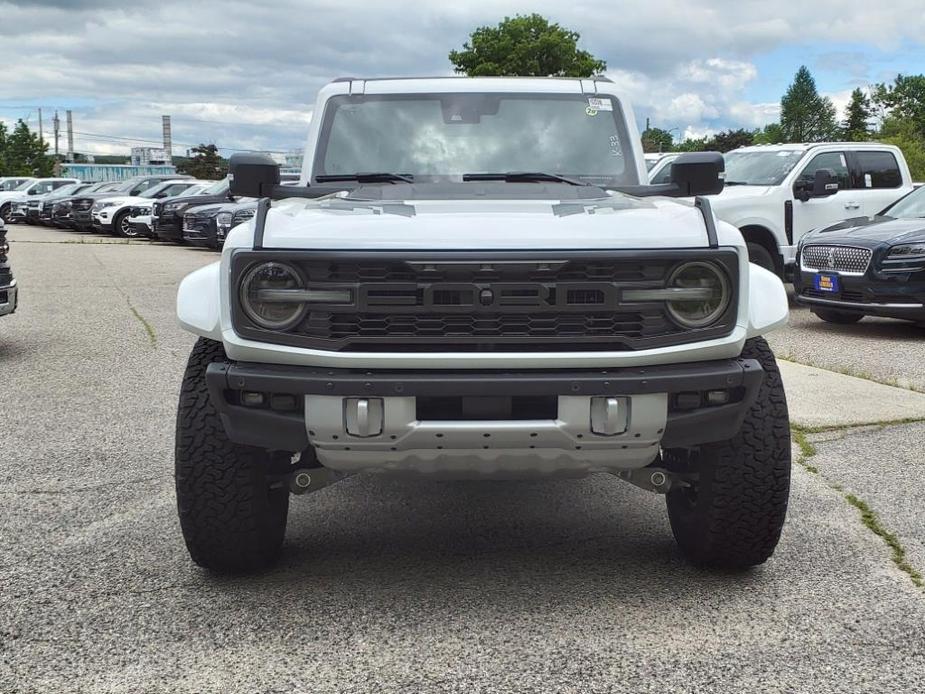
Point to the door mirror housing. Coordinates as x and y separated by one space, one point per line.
252 175
698 173
824 183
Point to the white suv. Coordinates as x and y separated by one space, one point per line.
775 194
475 280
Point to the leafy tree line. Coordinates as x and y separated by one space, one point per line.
23 153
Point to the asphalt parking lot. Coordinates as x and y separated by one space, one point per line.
566 586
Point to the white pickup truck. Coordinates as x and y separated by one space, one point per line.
774 194
475 279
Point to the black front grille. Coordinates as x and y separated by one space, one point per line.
465 302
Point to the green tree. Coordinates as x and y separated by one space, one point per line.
692 144
805 116
4 134
728 140
206 163
904 100
856 127
526 45
771 134
656 140
24 153
905 134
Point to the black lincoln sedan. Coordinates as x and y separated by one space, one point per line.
867 266
208 225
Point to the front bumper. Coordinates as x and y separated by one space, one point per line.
871 294
659 406
9 295
201 232
141 226
82 219
168 227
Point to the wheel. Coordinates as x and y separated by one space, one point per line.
122 227
5 211
232 518
839 317
759 255
731 517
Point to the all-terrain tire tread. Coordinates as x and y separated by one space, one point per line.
744 485
230 518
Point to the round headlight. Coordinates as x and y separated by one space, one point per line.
707 297
261 307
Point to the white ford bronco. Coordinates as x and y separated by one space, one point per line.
474 280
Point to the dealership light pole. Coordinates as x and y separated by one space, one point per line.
70 136
57 123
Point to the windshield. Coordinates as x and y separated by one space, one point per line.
760 168
443 136
24 186
69 189
106 187
165 190
12 184
217 188
909 207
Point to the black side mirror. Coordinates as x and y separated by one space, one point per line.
698 173
824 183
252 175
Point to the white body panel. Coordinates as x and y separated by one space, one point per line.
763 206
620 222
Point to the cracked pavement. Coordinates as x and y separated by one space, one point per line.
387 586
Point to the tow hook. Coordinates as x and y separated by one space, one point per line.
312 479
656 479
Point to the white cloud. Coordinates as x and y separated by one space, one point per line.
252 69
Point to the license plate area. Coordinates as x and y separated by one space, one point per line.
824 282
492 408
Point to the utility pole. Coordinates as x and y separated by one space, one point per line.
168 139
57 123
41 134
70 136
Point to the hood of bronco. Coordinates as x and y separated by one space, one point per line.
615 222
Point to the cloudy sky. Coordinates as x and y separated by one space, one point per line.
243 74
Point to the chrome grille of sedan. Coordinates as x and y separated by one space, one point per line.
845 259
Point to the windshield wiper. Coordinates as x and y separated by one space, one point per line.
523 177
366 177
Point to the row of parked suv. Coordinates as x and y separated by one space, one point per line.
166 207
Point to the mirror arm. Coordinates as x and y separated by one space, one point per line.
706 209
260 222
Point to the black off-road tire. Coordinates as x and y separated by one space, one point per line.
231 517
761 256
731 518
838 317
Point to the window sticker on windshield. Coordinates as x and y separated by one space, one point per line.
844 162
600 104
868 181
590 111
